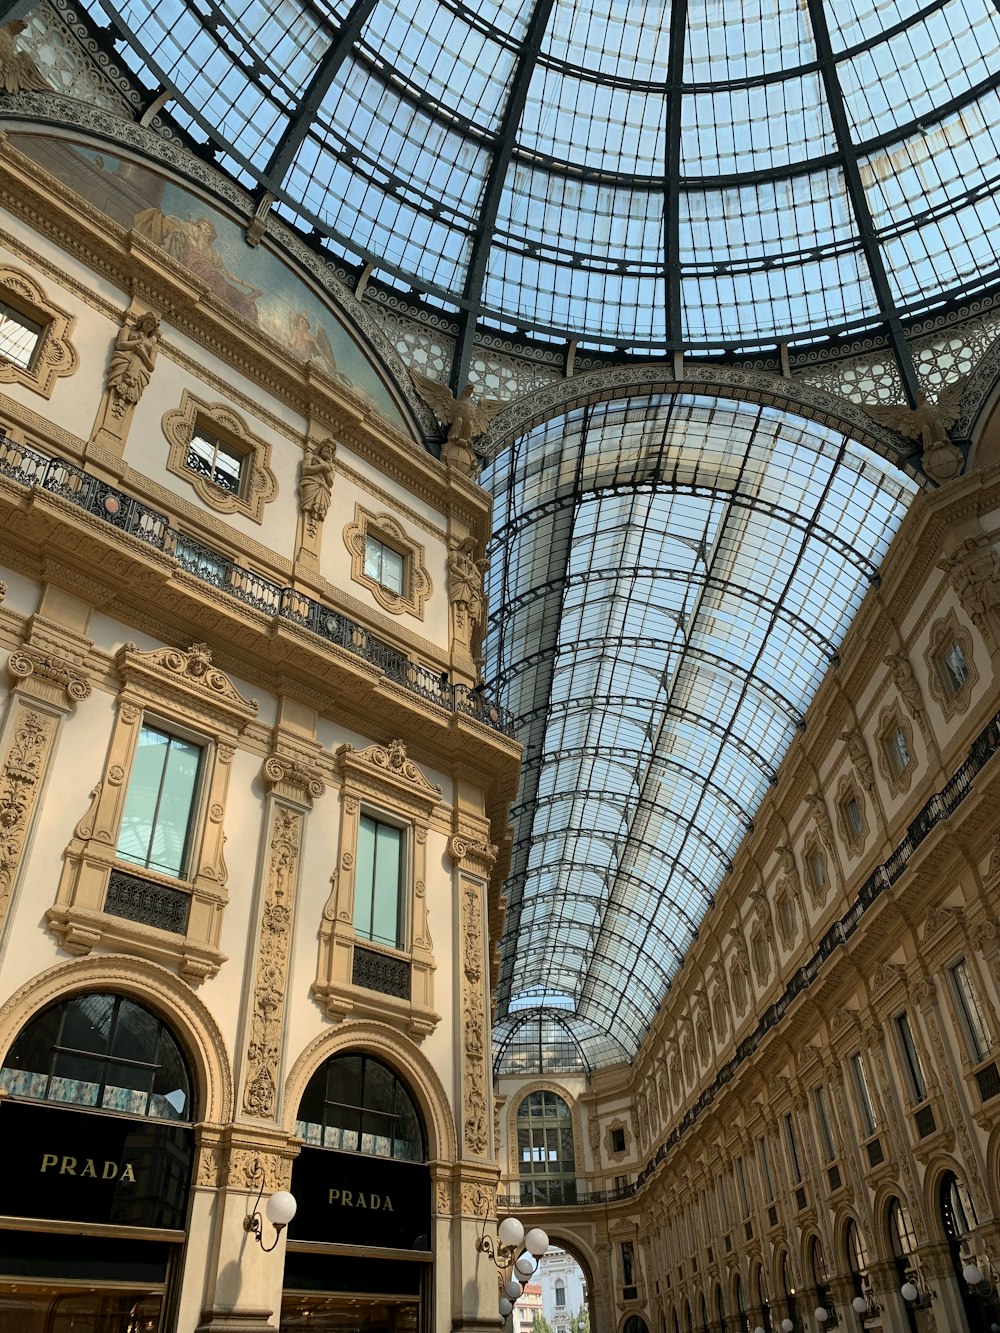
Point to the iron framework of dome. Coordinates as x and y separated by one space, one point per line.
643 175
671 573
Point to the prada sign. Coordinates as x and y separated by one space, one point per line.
81 1166
351 1199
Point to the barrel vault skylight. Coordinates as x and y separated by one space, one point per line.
670 578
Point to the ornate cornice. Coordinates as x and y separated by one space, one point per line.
190 671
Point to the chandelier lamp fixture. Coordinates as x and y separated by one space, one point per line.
515 1256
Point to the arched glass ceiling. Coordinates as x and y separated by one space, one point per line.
670 578
636 173
545 1041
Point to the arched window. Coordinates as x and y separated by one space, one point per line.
857 1259
102 1051
903 1240
635 1324
788 1288
821 1276
546 1161
958 1215
560 1292
355 1103
760 1297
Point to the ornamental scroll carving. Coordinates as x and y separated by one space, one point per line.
20 781
192 668
392 761
54 677
974 573
476 1128
292 778
264 1046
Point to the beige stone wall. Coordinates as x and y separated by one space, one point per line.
98 629
717 1037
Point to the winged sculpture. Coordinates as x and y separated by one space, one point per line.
18 71
928 423
466 418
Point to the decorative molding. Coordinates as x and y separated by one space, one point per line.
55 355
257 487
48 676
465 593
21 773
475 1129
188 670
129 373
974 573
909 690
386 528
292 778
890 722
943 633
388 764
274 943
885 975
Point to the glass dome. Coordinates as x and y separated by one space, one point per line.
647 175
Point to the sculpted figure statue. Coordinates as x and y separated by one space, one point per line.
465 589
465 416
316 480
132 362
18 71
928 423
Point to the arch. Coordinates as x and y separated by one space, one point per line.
880 1243
412 1066
151 985
937 1169
514 1101
747 386
993 1171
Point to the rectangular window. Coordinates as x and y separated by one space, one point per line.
617 1140
741 1185
954 668
378 879
911 1058
827 1145
720 1189
866 1107
793 1149
764 1157
628 1264
160 802
897 752
19 336
970 1011
817 868
383 564
560 1295
852 817
216 459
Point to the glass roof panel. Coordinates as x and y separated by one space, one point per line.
381 123
697 614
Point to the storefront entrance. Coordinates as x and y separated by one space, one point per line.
347 1314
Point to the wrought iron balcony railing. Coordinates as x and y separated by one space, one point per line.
59 477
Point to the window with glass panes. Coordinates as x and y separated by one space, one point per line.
897 752
103 1051
355 1103
19 336
970 1011
827 1145
383 564
378 879
216 459
545 1152
866 1106
159 813
911 1058
953 668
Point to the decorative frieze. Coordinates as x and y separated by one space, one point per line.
274 942
476 1124
21 773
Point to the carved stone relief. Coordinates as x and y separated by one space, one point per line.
264 1045
476 1124
21 774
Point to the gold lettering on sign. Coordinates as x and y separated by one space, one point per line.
65 1165
356 1199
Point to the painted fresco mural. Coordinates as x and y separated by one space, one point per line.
253 282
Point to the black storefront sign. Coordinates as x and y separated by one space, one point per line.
80 1166
350 1199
